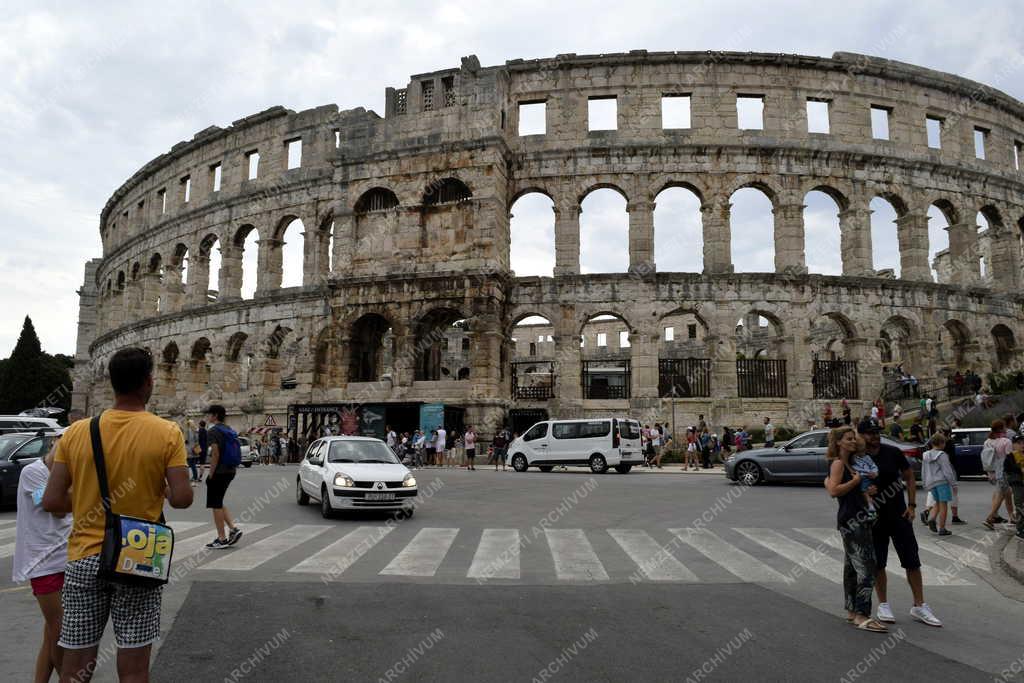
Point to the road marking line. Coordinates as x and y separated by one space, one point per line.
735 561
8 522
182 527
194 545
497 555
16 588
7 533
653 559
424 553
252 556
811 559
930 575
574 557
6 550
343 553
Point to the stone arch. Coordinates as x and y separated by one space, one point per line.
200 348
375 199
760 333
895 335
531 188
431 340
683 333
752 227
136 271
763 185
885 210
210 257
445 191
200 365
155 264
532 234
955 338
371 345
245 244
679 228
1005 345
233 348
121 281
604 229
828 335
594 187
668 182
531 335
170 353
286 252
989 226
275 342
179 261
606 355
822 211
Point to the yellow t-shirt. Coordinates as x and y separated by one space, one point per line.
138 448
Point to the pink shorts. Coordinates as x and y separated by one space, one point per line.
44 585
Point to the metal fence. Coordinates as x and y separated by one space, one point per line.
761 378
606 378
835 379
684 377
533 381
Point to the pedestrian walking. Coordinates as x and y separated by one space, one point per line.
225 457
993 461
852 520
940 482
40 553
896 501
144 460
392 439
440 446
193 455
1013 472
204 447
500 445
470 442
769 433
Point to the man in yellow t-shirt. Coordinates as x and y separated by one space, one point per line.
145 463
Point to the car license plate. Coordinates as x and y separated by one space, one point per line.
373 495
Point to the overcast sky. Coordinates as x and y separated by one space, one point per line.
94 90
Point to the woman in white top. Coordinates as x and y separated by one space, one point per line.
40 554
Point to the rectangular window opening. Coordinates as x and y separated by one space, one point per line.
337 138
162 195
1018 152
294 153
602 113
980 136
602 339
817 116
933 125
624 339
675 112
141 205
880 123
253 162
750 112
670 334
691 331
532 118
448 87
215 171
186 188
428 95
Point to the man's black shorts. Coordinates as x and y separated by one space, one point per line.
216 487
901 531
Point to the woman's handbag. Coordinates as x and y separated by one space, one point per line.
135 551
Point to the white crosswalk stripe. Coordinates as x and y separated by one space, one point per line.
811 559
184 527
193 545
575 559
8 533
423 555
729 557
343 553
497 556
7 523
253 555
6 550
655 561
930 575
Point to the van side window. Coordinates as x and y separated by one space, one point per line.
592 429
629 430
537 431
565 430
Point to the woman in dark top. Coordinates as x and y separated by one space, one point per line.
854 525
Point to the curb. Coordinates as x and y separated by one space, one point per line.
1015 568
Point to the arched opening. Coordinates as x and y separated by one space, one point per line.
209 250
533 352
237 363
1005 346
155 269
292 254
180 262
678 231
282 356
247 242
752 231
760 356
439 336
834 375
200 361
375 199
954 338
604 232
375 217
941 215
371 348
758 330
170 353
989 223
822 242
532 229
606 357
446 190
885 244
684 360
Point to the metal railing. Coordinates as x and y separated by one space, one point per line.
684 377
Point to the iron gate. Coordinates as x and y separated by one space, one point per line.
835 379
761 378
684 377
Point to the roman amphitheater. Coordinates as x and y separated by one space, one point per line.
407 309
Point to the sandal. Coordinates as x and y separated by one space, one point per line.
873 626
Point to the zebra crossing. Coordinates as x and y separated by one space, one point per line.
551 555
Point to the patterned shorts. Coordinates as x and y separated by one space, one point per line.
89 602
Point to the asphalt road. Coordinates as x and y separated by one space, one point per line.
504 576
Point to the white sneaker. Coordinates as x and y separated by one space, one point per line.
923 613
885 614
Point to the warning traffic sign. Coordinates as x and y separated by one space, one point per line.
270 421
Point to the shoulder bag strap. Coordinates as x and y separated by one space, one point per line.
101 466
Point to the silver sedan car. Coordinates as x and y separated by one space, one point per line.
801 459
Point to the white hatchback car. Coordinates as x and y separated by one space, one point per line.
355 473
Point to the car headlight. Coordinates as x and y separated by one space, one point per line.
342 479
409 480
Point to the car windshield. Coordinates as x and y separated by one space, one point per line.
361 452
9 442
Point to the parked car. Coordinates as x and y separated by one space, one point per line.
609 442
968 441
246 448
16 451
801 459
23 423
354 473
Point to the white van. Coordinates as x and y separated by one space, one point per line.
608 442
10 424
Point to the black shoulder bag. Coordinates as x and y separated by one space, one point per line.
135 551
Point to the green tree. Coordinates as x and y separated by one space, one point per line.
31 378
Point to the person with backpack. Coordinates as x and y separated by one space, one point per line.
225 457
993 456
1013 472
